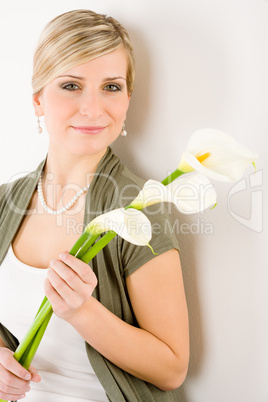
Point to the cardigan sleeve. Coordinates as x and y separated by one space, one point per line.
165 230
9 339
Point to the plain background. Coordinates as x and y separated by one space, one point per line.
199 64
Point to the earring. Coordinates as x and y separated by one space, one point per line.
39 128
123 131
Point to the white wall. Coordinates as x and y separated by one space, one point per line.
199 64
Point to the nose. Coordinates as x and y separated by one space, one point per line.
91 105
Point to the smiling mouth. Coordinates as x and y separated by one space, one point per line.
93 130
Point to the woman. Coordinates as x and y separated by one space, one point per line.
120 328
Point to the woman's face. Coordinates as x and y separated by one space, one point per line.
85 107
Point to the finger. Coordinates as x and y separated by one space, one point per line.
11 365
59 285
10 389
61 296
82 269
53 296
67 274
12 384
65 280
64 294
51 293
35 376
11 397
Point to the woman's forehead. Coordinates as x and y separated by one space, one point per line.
112 64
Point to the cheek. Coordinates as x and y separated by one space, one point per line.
52 121
119 115
120 111
55 114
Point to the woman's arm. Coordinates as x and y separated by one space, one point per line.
158 351
157 296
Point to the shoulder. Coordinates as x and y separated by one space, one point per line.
9 190
128 186
114 169
17 192
113 185
130 177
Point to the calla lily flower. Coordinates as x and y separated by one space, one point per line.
190 194
152 193
193 194
130 224
217 155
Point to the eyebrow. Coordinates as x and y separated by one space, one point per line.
83 79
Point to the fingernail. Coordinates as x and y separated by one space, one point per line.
63 256
28 376
22 396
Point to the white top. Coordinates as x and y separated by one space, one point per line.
61 358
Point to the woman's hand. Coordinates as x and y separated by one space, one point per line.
69 285
14 379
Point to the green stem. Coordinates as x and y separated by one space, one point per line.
172 177
32 330
93 251
41 305
87 244
24 356
79 243
30 344
130 206
30 353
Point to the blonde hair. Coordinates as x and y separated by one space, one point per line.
74 38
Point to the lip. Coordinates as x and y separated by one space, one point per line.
93 130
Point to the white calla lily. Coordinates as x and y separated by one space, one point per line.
217 155
191 194
131 224
152 192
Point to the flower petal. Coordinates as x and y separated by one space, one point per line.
193 193
225 158
138 229
131 224
152 192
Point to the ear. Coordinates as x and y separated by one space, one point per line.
37 104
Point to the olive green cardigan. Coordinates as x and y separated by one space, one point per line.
113 186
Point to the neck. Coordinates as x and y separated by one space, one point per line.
65 175
71 169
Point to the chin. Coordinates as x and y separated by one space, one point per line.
88 150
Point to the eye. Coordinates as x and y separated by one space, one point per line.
70 86
112 87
